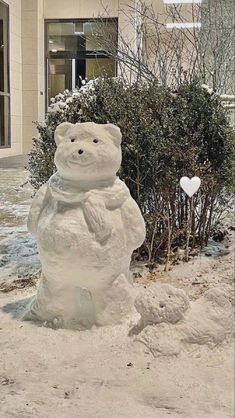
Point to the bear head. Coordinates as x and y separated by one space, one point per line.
88 152
161 302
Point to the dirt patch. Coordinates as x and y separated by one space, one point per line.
5 381
9 219
23 283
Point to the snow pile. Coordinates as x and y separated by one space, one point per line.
62 101
160 340
207 88
210 319
169 322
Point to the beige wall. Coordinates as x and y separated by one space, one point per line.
26 73
66 9
15 79
32 65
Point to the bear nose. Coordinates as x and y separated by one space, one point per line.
80 151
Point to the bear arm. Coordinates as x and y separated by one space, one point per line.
38 203
133 223
97 218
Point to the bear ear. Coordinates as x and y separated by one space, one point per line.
115 132
61 131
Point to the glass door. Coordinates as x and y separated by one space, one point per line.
59 76
4 77
67 73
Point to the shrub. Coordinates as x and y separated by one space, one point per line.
166 135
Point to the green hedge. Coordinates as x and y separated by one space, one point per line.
166 135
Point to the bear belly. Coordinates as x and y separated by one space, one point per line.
69 250
63 233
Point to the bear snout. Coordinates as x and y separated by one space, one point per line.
81 155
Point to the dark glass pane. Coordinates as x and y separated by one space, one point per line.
80 72
4 75
4 120
63 39
100 36
97 67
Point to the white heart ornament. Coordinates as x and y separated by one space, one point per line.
190 186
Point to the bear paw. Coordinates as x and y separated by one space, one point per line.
55 323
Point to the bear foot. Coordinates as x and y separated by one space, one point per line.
117 302
55 323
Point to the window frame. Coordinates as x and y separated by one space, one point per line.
7 93
183 25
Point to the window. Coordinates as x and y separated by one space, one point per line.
4 77
76 50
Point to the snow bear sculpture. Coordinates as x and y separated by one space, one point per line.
87 226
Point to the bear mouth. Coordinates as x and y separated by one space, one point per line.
81 163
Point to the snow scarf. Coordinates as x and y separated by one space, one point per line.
96 202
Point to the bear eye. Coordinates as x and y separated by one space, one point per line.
72 139
95 141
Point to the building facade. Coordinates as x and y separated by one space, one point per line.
42 52
47 46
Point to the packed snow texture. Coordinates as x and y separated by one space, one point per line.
87 226
169 322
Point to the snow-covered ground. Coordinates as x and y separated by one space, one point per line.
18 252
102 373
